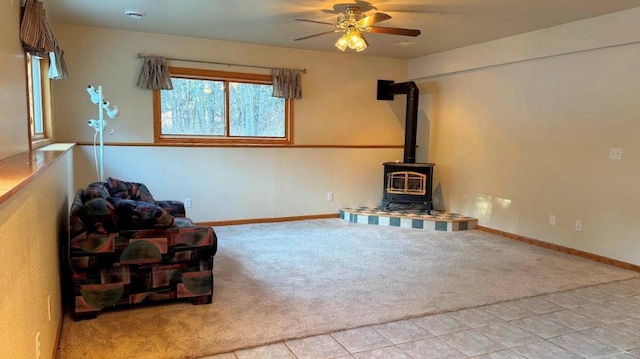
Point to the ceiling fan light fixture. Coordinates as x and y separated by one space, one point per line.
342 42
356 40
362 44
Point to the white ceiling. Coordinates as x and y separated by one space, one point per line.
445 24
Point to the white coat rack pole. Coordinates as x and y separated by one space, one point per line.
101 129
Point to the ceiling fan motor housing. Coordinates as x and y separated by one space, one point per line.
351 16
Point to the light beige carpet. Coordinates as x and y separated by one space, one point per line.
286 280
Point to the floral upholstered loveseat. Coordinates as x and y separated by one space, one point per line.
127 249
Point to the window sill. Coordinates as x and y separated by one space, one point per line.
233 142
35 144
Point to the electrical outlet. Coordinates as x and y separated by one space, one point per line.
187 202
615 153
552 220
38 351
578 225
329 196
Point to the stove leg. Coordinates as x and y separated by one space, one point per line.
428 207
385 203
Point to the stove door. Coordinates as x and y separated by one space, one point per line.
406 182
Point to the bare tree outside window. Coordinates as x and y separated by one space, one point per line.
194 107
254 112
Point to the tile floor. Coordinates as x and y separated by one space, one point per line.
593 322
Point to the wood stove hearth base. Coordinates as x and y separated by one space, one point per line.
408 218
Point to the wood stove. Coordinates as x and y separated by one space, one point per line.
406 183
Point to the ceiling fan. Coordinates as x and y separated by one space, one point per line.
353 23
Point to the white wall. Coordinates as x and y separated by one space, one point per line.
518 135
339 108
13 97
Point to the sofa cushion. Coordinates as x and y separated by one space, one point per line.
184 222
140 214
129 190
100 216
175 208
95 190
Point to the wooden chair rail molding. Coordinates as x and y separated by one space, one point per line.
143 144
18 170
563 249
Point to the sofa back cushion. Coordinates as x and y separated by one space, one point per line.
95 190
139 214
129 190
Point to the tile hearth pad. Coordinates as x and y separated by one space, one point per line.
409 218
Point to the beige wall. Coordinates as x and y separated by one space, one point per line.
30 221
518 139
13 92
30 224
339 108
247 183
586 35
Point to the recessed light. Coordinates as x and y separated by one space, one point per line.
134 14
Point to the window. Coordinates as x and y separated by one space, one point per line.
39 123
214 107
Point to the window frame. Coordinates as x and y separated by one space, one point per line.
37 140
226 140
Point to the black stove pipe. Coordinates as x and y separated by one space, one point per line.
386 91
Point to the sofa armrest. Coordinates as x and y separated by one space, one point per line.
174 208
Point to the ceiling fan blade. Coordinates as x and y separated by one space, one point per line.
316 22
373 18
394 31
320 34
